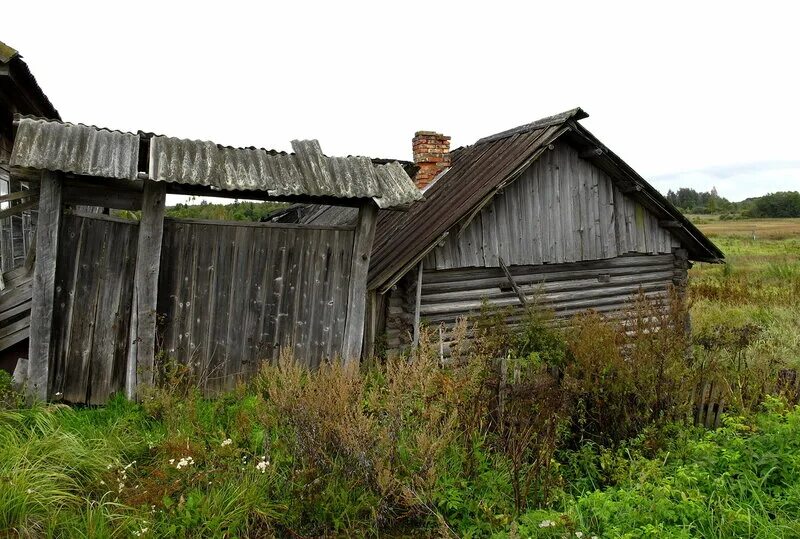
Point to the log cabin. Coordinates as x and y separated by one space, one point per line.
542 212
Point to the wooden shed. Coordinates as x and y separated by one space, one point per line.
110 294
544 211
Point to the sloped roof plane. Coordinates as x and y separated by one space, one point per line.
479 171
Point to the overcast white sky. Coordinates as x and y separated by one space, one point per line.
696 94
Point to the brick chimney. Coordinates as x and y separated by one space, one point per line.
431 155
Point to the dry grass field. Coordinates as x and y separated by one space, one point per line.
765 229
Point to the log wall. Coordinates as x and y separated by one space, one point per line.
606 286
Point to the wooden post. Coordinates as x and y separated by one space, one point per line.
357 291
417 305
139 369
44 279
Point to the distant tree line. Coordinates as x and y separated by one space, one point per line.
235 211
780 204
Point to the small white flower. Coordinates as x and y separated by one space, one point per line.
109 466
121 486
30 491
262 466
172 461
546 524
226 441
59 394
579 535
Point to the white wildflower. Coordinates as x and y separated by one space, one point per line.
59 394
262 466
226 441
30 491
579 535
546 524
185 461
172 461
121 486
102 482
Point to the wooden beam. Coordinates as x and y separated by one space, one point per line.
201 190
139 372
417 305
520 294
357 289
588 154
670 224
44 277
19 194
19 208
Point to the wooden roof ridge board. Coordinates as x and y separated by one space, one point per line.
479 171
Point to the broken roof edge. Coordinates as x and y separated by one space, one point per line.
22 75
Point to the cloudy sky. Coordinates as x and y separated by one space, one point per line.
695 94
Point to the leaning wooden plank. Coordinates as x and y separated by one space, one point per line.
14 338
357 292
44 276
520 294
19 208
139 368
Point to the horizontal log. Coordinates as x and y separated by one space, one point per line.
536 278
545 287
15 326
288 226
630 261
14 338
9 313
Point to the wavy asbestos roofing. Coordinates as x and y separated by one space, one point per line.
93 151
307 171
478 172
77 148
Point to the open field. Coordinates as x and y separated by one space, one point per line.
410 449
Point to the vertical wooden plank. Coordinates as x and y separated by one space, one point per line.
44 276
357 291
139 371
417 304
567 171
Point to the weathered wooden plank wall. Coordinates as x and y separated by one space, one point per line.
235 294
605 285
93 290
561 209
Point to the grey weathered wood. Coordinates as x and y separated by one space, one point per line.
39 350
520 294
27 193
141 354
19 208
417 304
357 289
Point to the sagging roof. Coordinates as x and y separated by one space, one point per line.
479 171
93 151
32 100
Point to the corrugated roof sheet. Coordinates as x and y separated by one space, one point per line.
475 175
93 151
76 148
307 171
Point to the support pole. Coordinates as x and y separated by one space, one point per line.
417 305
357 291
139 372
44 279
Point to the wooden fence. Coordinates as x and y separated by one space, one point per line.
230 295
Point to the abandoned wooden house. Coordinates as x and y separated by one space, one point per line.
110 294
19 94
543 212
